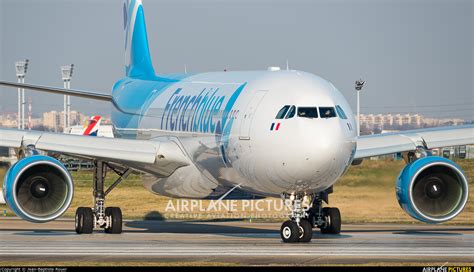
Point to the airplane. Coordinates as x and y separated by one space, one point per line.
92 128
273 133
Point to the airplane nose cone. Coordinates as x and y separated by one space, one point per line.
316 159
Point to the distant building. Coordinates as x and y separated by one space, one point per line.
398 120
406 119
388 120
36 122
78 118
54 120
9 120
372 123
417 120
379 121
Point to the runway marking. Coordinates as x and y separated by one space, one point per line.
232 251
141 254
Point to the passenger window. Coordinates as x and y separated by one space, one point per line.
341 112
291 112
282 112
308 112
327 112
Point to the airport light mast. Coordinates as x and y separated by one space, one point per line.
21 68
66 74
358 86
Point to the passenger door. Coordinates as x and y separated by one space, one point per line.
248 114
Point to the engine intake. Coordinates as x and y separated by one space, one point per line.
38 188
432 189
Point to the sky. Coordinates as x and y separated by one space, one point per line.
415 55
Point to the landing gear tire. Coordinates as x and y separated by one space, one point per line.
84 220
307 231
290 232
115 215
333 221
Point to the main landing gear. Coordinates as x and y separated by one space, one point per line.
307 213
110 218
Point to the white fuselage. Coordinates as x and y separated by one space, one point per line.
235 138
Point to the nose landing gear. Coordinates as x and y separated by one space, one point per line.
307 213
292 232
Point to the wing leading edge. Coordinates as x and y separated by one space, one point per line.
382 144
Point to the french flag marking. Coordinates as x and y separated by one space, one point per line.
275 127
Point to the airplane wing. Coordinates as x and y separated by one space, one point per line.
389 143
165 155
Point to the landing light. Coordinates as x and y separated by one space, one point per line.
305 199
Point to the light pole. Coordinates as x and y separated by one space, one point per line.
21 67
66 74
358 86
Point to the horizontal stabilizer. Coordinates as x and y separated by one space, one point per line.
54 90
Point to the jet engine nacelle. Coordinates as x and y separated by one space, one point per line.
38 188
432 189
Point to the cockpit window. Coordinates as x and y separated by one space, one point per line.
281 114
341 112
327 112
308 112
291 112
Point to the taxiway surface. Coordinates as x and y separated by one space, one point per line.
237 242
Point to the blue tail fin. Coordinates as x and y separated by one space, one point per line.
137 55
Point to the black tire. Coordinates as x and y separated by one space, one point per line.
115 215
333 218
289 232
84 220
307 234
